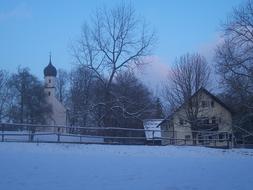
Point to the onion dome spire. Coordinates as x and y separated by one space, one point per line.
50 70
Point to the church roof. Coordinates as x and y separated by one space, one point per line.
50 70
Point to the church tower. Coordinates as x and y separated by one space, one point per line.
59 112
50 73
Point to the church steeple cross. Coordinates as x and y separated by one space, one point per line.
50 55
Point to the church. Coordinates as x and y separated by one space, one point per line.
59 115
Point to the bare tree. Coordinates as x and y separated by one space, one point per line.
134 101
116 40
80 96
189 74
62 85
5 96
234 56
234 63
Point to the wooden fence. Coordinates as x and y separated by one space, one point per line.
109 135
243 138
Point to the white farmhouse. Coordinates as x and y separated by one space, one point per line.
214 128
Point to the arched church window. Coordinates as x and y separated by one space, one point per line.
49 93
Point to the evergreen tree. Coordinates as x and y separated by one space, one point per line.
29 103
158 109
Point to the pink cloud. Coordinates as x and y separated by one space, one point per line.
154 74
208 49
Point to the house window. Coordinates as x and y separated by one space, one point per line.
204 104
49 80
167 127
200 138
206 120
187 137
49 93
213 120
181 121
212 104
221 137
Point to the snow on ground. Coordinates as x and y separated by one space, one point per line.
27 166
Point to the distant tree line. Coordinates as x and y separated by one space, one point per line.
130 104
23 99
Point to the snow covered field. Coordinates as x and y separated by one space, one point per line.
25 166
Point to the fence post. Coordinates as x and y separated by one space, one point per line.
30 133
228 139
2 125
153 133
58 134
193 134
232 137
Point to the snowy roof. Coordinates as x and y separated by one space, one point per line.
152 129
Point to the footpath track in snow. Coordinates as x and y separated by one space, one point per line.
29 166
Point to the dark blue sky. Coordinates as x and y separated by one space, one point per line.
30 29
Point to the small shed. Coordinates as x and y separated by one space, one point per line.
153 131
